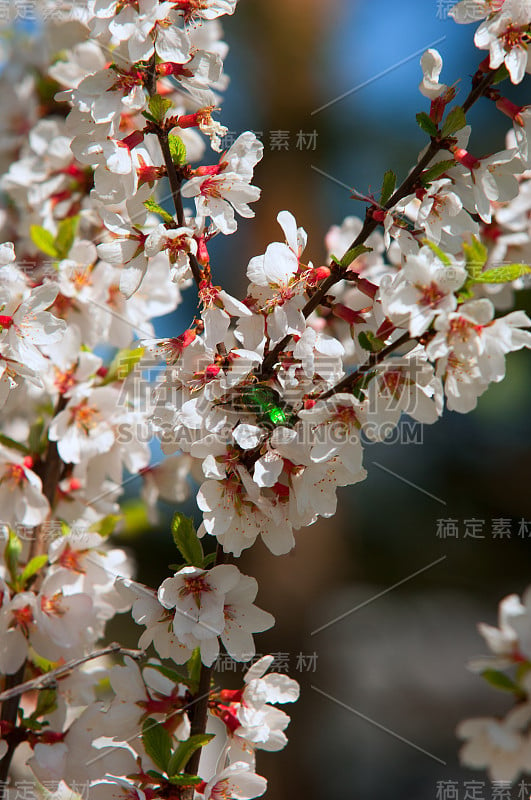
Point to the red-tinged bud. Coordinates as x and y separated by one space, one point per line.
309 403
511 110
5 322
202 252
51 737
170 68
464 158
212 371
315 276
74 485
28 462
102 372
228 718
437 109
347 314
379 214
367 288
231 695
385 329
132 140
214 169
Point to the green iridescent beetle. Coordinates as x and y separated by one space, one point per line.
265 403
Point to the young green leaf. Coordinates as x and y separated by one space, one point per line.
154 207
505 274
159 106
476 255
455 120
370 342
186 540
500 681
123 364
177 150
426 124
441 255
46 703
157 742
351 255
7 441
44 240
435 172
172 675
388 187
66 235
12 553
185 780
181 756
32 567
194 668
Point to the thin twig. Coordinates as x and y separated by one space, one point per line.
49 679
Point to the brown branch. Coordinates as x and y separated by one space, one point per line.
370 224
347 383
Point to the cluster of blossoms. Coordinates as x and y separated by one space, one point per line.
267 401
503 746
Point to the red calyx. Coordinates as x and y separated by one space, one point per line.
133 139
347 314
510 110
465 158
5 322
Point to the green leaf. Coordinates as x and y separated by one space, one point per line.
455 120
426 124
159 106
157 742
32 567
500 681
177 150
194 668
505 274
388 186
154 207
186 540
181 756
65 236
351 255
44 240
123 364
46 703
441 255
7 441
12 553
36 442
172 674
501 75
476 255
106 525
158 776
185 780
436 171
370 342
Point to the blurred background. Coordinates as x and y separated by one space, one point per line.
384 686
